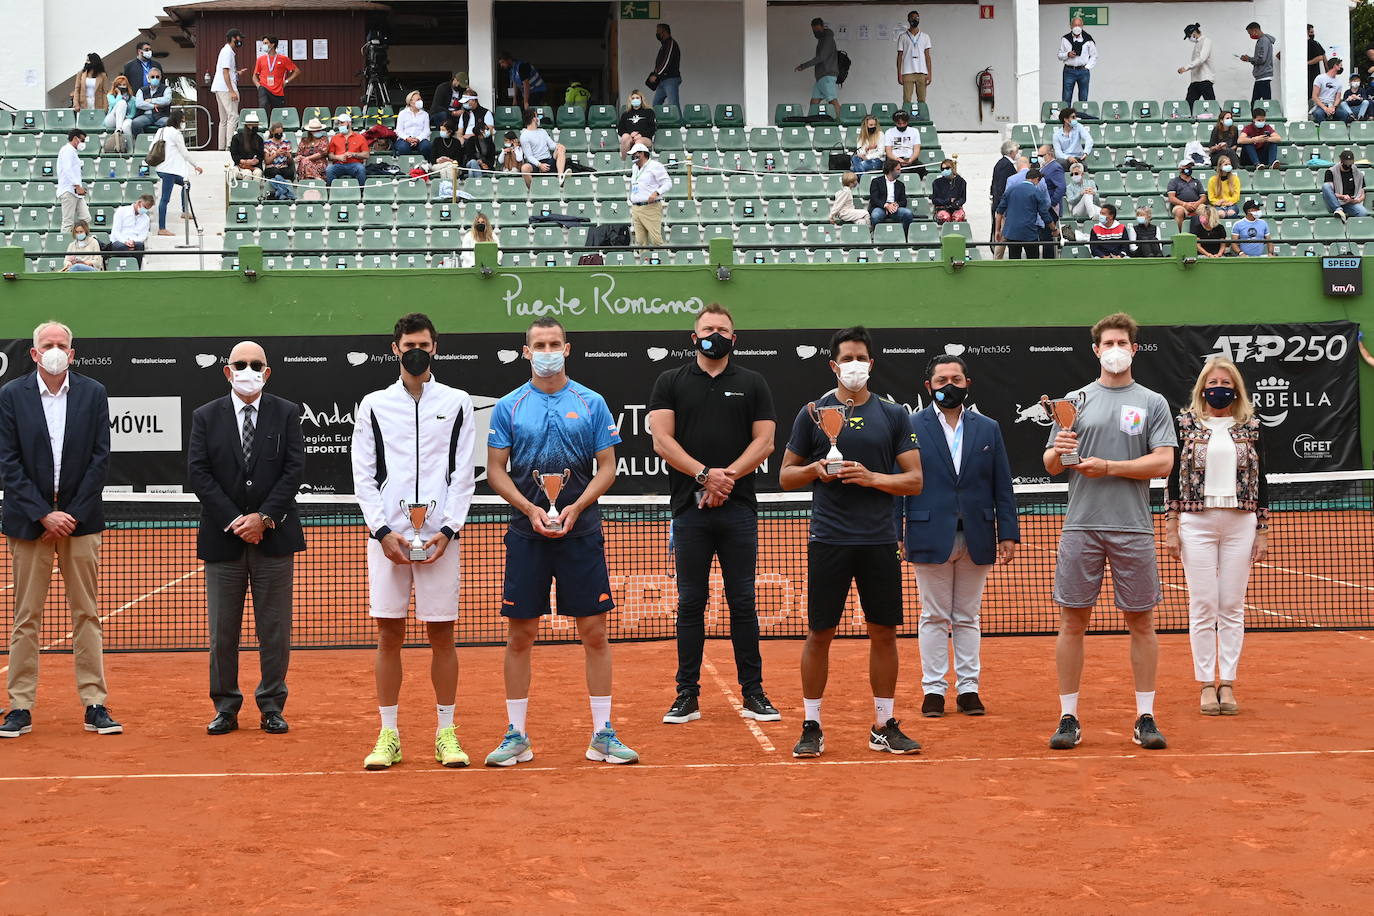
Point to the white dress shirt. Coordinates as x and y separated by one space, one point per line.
129 226
412 123
1219 479
1088 60
68 170
55 412
954 437
225 61
240 405
648 179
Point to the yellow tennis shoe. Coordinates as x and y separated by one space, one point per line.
386 752
447 750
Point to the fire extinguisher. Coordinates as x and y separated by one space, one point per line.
986 90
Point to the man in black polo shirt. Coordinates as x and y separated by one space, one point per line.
713 422
853 535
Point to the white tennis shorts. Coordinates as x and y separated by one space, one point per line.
436 585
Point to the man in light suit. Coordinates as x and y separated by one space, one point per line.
54 457
244 464
956 527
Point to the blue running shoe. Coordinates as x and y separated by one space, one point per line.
514 748
607 747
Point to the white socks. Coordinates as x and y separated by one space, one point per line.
601 713
813 710
515 712
445 716
1068 704
882 710
388 716
1144 703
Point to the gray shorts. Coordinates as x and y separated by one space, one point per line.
1083 556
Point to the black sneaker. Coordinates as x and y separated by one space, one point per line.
1147 734
98 720
18 722
1067 735
684 709
889 738
812 740
757 707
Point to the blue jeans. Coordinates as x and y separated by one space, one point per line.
140 125
857 164
1343 113
1255 155
473 166
730 532
1332 204
354 170
403 148
168 182
903 215
666 93
1074 78
79 267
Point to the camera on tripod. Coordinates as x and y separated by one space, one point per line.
376 69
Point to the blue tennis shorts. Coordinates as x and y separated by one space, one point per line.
578 564
827 89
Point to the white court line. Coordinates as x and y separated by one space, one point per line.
885 760
1297 572
123 607
739 707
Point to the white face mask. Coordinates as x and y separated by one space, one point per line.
415 104
81 146
1077 30
1116 359
55 360
247 383
854 374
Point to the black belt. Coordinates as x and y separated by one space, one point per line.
1072 67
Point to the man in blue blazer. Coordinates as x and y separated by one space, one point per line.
963 521
54 457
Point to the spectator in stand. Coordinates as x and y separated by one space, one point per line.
1054 184
153 104
826 67
667 75
175 167
1145 235
1072 142
246 149
272 73
129 228
511 157
119 106
470 115
1224 140
914 70
479 151
541 154
1250 236
136 70
1210 232
1343 188
71 193
83 252
225 86
278 165
842 209
1184 193
448 100
1004 169
1316 56
870 147
446 153
1259 141
1356 97
348 153
527 87
91 84
1367 64
1328 93
1023 211
637 124
902 142
1223 189
481 231
887 201
1078 51
948 194
1199 68
1109 238
412 128
1080 195
1261 63
312 153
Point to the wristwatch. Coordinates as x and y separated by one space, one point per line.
267 520
701 475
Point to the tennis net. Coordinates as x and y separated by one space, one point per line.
1317 575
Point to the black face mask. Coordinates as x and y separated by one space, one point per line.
950 396
717 346
415 362
1219 396
913 23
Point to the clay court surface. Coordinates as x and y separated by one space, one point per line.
1269 810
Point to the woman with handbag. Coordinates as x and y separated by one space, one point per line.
168 156
1217 522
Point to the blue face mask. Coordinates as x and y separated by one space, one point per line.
79 236
548 364
945 173
154 82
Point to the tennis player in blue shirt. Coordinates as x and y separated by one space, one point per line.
559 439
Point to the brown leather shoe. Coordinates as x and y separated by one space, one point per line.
970 705
933 706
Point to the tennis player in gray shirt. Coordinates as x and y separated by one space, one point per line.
1124 436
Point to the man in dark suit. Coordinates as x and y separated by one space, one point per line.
244 464
54 456
1004 169
136 70
887 197
956 527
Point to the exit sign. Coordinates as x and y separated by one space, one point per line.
1091 15
639 9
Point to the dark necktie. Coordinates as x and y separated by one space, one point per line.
248 434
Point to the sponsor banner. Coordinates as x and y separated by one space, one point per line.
1303 378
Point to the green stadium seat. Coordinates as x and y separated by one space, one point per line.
345 190
853 234
732 139
1239 108
601 116
1329 228
6 219
353 111
804 161
1148 135
234 238
1302 133
668 115
507 117
696 115
570 116
828 138
764 138
343 215
446 238
377 215
1026 136
708 186
1299 180
309 215
376 262
785 111
804 186
274 216
729 114
580 187
1266 181
1114 134
673 140
814 210
377 192
1206 110
510 187
782 210
307 240
1117 111
288 118
884 111
30 121
37 219
1088 109
852 114
21 146
1280 205
1333 132
714 211
1147 112
412 190
92 121
683 234
920 206
1293 230
27 239
445 212
1113 183
737 186
317 111
412 238
1360 228
1049 111
960 229
1176 110
788 234
688 258
11 193
274 239
574 140
613 211
889 234
543 189
341 239
1273 107
376 239
605 139
1310 205
796 138
748 210
752 235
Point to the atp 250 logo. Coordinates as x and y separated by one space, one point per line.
1258 348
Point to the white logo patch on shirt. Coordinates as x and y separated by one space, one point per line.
1132 420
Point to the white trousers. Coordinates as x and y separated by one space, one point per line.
951 598
1216 545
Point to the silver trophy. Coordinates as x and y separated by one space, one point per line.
418 513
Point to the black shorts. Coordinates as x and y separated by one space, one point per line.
578 564
875 568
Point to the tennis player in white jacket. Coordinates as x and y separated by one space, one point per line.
412 446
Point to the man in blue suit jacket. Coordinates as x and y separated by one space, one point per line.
963 521
54 456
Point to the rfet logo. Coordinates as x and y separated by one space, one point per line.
1309 446
1297 348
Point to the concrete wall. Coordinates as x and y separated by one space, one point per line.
711 35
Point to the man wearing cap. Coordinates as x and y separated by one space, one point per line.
448 100
226 87
1184 193
649 184
1199 68
348 153
470 114
1343 188
246 149
1328 94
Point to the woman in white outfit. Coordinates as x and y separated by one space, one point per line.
174 169
1218 523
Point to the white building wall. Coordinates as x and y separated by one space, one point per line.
711 35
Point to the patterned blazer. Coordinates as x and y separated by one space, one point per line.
1186 481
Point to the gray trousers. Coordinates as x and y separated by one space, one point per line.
226 584
951 599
